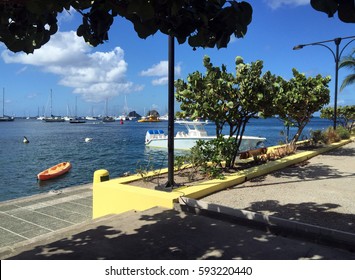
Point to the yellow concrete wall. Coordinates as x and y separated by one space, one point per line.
112 197
115 196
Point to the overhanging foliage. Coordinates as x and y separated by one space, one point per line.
345 8
26 25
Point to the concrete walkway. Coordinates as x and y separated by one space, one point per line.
319 191
26 220
160 234
58 226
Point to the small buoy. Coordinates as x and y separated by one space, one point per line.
25 140
87 139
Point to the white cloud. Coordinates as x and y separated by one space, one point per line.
274 4
94 75
160 81
67 16
160 71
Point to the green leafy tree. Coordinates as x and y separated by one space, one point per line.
345 115
207 96
300 99
226 99
26 25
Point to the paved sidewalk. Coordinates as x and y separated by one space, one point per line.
160 234
320 191
27 219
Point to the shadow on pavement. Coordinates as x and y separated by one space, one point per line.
309 212
174 235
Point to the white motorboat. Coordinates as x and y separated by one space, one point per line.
164 118
122 117
68 119
195 131
90 118
53 119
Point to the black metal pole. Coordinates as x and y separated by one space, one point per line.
171 99
337 56
337 43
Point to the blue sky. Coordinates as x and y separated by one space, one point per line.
132 69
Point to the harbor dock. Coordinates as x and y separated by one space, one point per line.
25 220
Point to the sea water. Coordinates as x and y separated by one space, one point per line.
118 148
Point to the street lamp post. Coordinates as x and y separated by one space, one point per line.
171 98
336 56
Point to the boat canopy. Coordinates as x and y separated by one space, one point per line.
155 131
194 128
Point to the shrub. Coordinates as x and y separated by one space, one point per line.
331 135
209 157
317 136
146 170
342 132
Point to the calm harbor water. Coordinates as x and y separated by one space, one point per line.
119 148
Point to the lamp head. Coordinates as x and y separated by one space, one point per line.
298 47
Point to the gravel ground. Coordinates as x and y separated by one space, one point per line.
320 191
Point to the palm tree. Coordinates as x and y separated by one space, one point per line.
348 62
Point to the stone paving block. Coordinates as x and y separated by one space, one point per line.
84 201
75 207
42 220
8 238
15 224
8 207
81 192
62 214
44 199
35 231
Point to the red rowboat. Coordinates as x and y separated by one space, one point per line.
54 171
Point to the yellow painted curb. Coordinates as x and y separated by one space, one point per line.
115 196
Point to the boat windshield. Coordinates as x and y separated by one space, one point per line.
196 129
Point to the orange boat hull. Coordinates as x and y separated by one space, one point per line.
54 171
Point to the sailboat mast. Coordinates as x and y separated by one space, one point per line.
125 105
51 104
3 101
76 106
106 106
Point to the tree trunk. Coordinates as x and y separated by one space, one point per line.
299 132
238 141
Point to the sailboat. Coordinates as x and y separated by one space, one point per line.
53 118
91 117
68 117
124 116
39 117
107 118
4 118
76 119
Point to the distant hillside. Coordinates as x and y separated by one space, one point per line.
153 113
134 114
